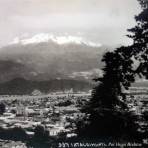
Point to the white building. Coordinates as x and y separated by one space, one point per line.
20 109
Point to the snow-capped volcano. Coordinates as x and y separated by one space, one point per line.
44 56
45 37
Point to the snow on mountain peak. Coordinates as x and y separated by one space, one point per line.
44 37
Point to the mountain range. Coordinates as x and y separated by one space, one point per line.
49 63
40 60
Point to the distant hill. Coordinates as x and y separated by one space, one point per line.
20 86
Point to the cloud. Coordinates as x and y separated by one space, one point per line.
87 74
103 20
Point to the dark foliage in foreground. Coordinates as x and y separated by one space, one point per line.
107 114
40 139
16 134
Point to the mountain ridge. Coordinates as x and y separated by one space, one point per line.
21 86
43 61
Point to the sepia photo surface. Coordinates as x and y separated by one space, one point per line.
73 73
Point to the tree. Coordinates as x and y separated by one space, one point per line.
41 138
139 34
17 133
2 108
107 111
41 134
109 116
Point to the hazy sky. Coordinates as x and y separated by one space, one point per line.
102 21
